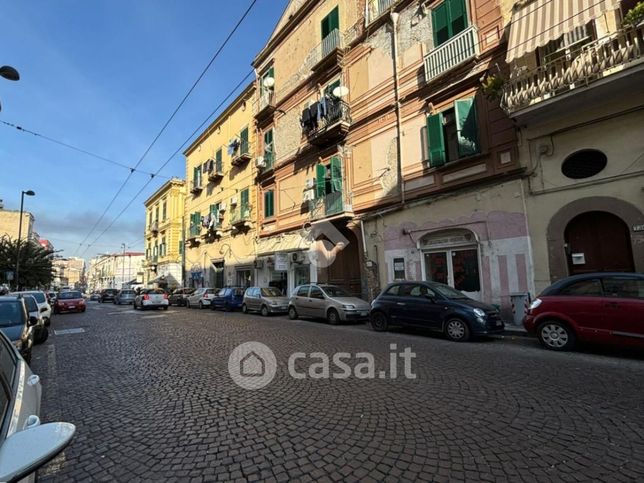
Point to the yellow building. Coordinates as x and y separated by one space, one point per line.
164 212
221 206
10 221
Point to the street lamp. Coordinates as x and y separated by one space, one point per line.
9 73
22 204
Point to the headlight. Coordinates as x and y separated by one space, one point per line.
535 303
479 313
348 307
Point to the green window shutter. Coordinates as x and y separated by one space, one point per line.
330 87
219 165
457 16
243 137
440 23
194 176
320 181
180 247
336 174
466 127
213 209
269 209
436 140
244 197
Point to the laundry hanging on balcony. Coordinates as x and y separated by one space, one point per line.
536 23
233 146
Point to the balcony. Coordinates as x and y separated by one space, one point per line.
375 8
333 127
215 175
328 53
619 55
240 217
242 154
329 205
196 187
460 48
154 227
193 234
265 104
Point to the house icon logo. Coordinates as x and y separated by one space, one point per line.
252 365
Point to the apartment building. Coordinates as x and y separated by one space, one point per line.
221 203
574 91
10 223
69 272
115 270
164 235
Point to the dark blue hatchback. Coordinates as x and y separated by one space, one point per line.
434 306
229 298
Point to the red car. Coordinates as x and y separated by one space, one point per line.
594 307
71 301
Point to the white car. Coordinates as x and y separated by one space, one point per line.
152 298
43 305
27 444
202 297
41 332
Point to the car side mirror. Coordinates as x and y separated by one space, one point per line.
32 321
24 452
43 309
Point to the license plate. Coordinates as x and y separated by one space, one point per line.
363 314
71 306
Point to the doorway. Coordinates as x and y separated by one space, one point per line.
597 241
456 267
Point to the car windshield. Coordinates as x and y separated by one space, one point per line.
39 296
127 292
449 292
333 291
70 295
31 304
10 314
111 291
271 292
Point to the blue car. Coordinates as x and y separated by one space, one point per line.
17 325
434 306
229 298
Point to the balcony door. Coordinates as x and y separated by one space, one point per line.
448 19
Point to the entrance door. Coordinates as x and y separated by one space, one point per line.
456 267
597 241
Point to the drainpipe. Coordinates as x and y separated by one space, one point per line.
394 54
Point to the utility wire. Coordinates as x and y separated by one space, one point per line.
174 113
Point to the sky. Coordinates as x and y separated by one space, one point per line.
104 76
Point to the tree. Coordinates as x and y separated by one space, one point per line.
36 268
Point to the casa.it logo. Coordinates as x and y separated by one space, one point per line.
326 242
252 365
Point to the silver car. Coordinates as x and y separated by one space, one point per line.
125 296
328 302
27 444
265 300
202 297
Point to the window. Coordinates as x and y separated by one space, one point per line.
303 291
568 46
219 163
180 247
328 183
453 133
269 154
264 90
244 147
399 269
458 268
195 223
316 293
243 200
165 209
330 23
448 19
155 251
583 288
196 176
214 213
393 290
420 291
269 209
156 213
163 249
629 288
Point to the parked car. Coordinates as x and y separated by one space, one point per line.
201 297
265 300
606 308
95 297
41 299
107 295
41 332
328 302
434 306
26 444
178 296
229 298
51 297
17 325
70 301
151 298
125 296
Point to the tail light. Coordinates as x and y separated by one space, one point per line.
146 297
165 296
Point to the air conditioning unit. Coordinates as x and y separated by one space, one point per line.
310 184
222 207
260 162
233 201
259 264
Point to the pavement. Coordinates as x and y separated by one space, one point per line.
152 399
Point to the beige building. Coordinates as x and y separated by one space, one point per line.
10 221
221 203
164 215
69 272
117 270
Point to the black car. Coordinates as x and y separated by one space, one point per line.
434 306
17 325
178 296
107 295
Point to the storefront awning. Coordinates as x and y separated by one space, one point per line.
536 23
287 242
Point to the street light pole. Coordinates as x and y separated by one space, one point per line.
123 266
22 206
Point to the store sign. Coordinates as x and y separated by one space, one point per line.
281 262
638 227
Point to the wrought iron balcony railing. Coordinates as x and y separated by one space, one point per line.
240 215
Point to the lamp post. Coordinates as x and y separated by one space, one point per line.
22 205
123 266
9 73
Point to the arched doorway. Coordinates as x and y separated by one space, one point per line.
597 241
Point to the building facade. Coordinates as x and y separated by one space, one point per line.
10 224
164 235
117 270
221 203
69 272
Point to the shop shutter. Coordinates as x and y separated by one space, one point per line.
440 23
467 127
436 140
320 181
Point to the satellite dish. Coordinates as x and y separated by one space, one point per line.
268 82
340 91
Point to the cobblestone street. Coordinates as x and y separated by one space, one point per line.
152 399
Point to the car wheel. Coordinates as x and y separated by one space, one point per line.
187 304
332 317
379 321
200 304
43 335
292 313
244 309
556 336
457 330
265 311
48 321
